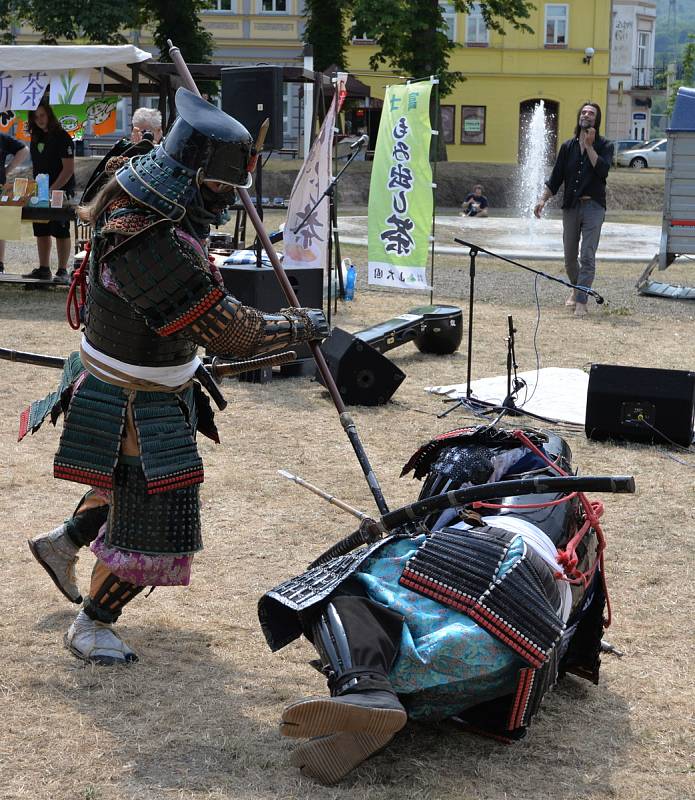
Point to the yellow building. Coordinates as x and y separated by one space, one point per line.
507 75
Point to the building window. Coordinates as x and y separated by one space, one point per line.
449 14
222 6
473 124
273 7
556 25
476 29
448 123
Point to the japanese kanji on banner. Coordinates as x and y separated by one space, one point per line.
308 247
400 192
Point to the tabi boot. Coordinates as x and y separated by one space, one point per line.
96 642
91 637
357 641
328 759
57 554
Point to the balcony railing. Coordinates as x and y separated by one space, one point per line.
654 77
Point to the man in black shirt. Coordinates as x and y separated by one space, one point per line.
582 165
9 146
52 153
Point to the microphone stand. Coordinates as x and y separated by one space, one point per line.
329 192
508 406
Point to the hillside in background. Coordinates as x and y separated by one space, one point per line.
672 29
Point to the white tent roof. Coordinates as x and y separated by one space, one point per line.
61 57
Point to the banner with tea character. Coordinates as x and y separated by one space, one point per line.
400 192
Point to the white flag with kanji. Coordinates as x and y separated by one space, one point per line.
307 231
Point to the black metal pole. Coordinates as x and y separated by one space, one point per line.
471 292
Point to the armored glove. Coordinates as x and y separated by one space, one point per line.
313 324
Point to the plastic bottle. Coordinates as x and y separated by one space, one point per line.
350 282
42 187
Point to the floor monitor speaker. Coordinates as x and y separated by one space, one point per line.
252 94
640 404
364 376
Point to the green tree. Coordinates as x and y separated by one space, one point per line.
688 66
327 31
103 22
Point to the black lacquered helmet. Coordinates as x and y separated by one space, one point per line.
205 138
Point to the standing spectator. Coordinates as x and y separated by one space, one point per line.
9 146
475 204
582 165
53 153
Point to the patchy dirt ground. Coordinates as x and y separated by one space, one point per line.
197 716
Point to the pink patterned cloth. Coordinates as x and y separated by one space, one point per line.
140 568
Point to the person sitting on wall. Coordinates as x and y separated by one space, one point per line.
475 204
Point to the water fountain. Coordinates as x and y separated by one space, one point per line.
534 165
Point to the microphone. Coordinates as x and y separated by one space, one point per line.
360 142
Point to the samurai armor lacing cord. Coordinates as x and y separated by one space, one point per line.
460 569
91 437
91 441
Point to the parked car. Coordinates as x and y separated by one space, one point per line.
649 155
619 145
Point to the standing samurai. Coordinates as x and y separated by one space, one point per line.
130 398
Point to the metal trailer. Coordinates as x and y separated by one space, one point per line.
678 226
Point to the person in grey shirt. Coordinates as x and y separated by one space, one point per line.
582 166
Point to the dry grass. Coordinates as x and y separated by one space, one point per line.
197 717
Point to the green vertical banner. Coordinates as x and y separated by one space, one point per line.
400 192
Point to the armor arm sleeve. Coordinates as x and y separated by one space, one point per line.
169 284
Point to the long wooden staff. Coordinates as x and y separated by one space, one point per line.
345 419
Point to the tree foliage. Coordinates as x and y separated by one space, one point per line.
104 21
688 66
327 31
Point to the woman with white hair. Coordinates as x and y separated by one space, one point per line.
144 120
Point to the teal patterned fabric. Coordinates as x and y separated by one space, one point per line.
447 662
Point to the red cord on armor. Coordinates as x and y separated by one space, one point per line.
482 504
567 558
74 306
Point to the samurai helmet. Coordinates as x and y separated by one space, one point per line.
203 145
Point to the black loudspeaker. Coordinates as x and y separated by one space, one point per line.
261 289
252 94
363 375
640 404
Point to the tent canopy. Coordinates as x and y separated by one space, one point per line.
117 62
47 57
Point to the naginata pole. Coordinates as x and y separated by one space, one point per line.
345 419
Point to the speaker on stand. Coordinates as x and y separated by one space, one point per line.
253 94
640 404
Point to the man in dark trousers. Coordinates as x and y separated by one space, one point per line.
582 166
